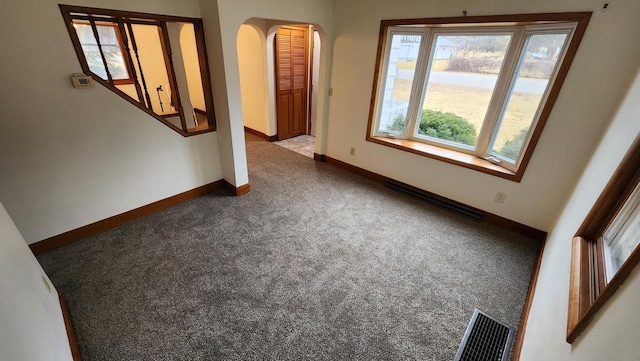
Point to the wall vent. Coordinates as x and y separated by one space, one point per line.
441 202
486 339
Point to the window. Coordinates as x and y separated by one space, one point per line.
112 48
474 91
605 248
156 62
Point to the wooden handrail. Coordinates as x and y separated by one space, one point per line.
132 68
135 50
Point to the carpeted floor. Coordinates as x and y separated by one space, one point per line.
314 264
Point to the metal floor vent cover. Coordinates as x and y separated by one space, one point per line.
486 339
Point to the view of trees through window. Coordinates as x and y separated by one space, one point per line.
463 73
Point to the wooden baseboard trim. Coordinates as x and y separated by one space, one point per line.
268 138
357 170
243 189
514 226
77 234
68 324
517 348
237 191
487 217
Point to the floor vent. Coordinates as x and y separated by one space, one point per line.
441 202
486 339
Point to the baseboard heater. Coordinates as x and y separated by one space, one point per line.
441 202
486 339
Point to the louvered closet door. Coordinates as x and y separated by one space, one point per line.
291 72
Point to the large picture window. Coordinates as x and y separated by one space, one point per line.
477 87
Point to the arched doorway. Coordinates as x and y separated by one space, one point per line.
258 67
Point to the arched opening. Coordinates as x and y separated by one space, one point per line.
252 65
265 102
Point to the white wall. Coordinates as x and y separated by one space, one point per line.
222 19
613 334
596 83
32 324
252 65
70 157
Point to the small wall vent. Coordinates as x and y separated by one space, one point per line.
486 339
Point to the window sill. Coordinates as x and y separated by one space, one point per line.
450 156
123 82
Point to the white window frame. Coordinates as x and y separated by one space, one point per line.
620 224
506 80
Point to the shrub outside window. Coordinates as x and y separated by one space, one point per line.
482 88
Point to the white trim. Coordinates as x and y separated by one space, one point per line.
618 228
384 72
422 70
531 31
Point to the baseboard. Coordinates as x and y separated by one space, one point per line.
517 348
357 170
487 217
77 234
514 226
268 138
237 191
68 325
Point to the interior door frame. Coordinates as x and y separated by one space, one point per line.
306 91
310 79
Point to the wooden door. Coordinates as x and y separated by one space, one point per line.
291 80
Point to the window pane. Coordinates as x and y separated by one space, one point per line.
534 71
399 81
623 236
460 83
110 47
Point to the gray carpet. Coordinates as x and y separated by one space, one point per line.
314 264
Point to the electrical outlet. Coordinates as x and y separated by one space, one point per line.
352 151
330 92
500 196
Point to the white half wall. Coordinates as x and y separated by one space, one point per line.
613 334
70 157
599 76
31 323
252 65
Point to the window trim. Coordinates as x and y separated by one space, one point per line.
588 289
502 21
